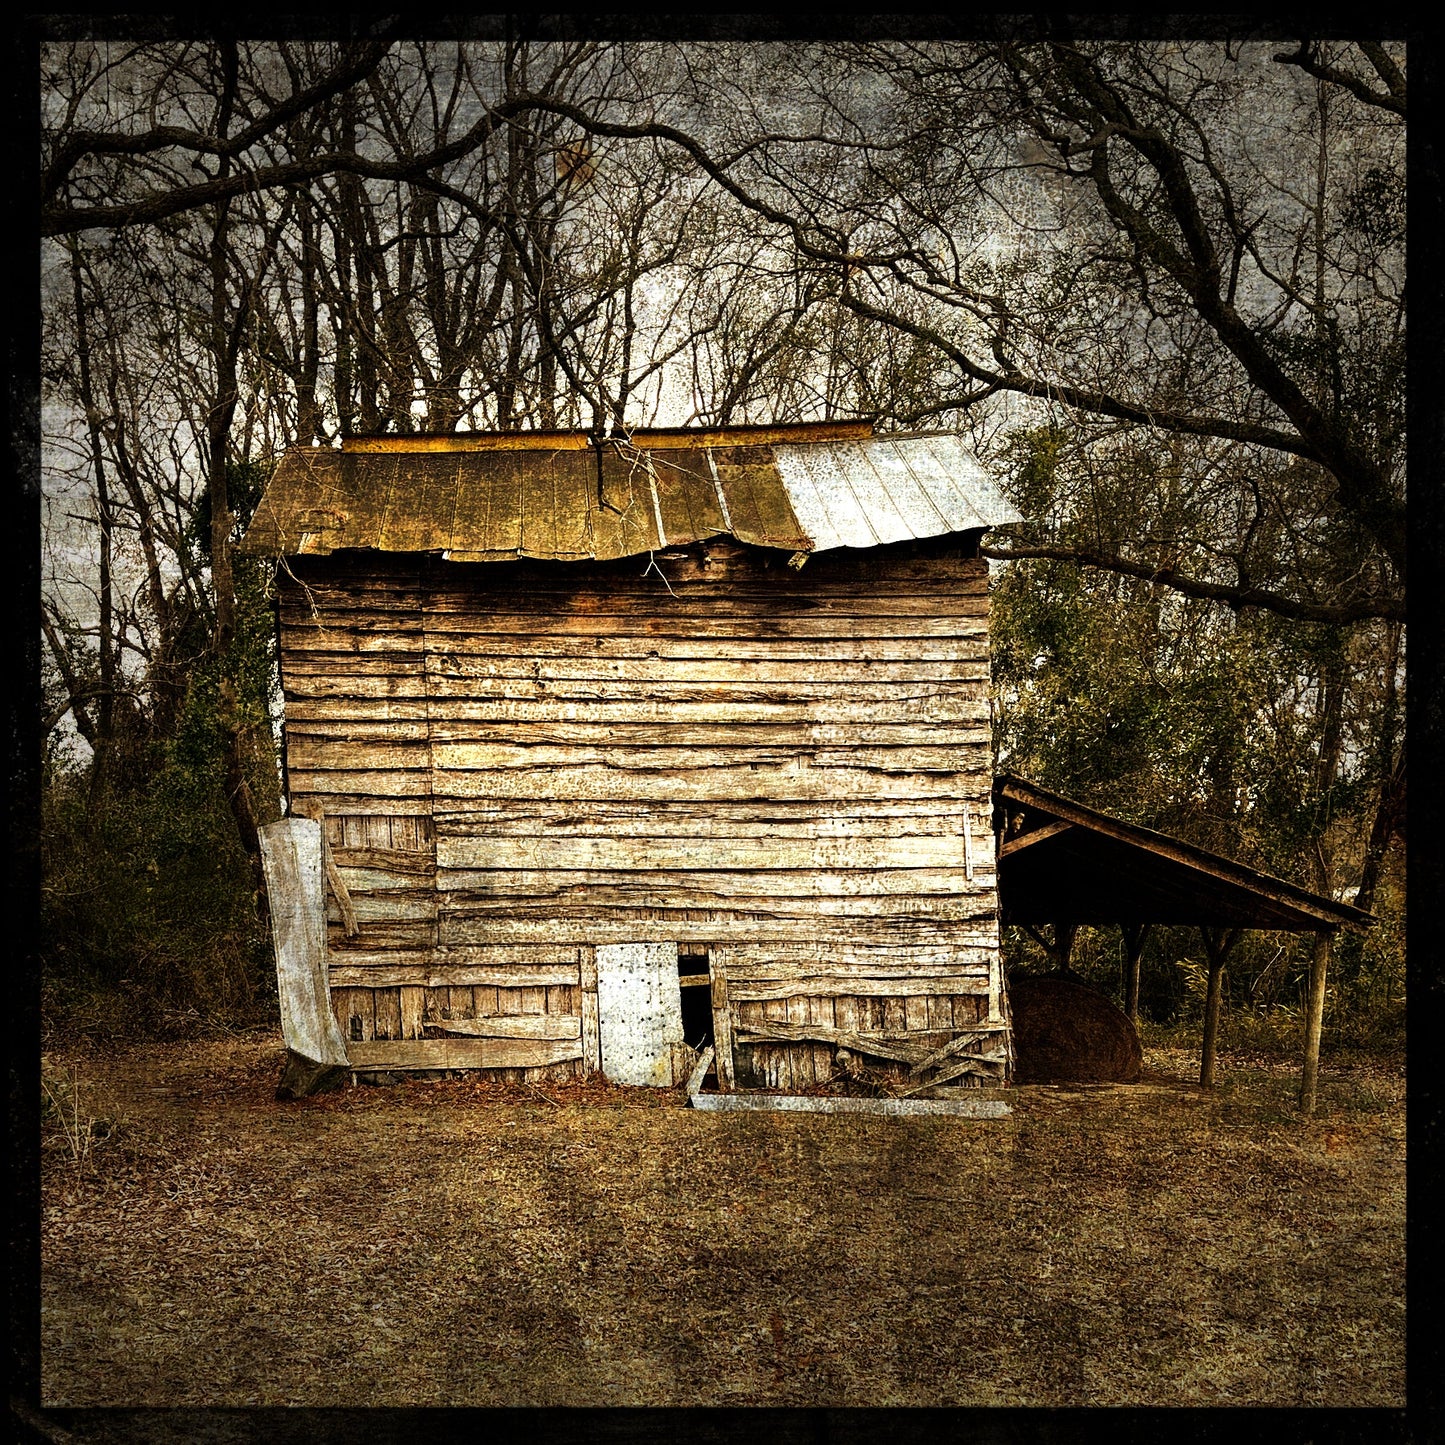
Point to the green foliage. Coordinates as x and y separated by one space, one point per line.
149 910
245 481
1122 694
148 915
1200 721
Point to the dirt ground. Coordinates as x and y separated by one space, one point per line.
448 1243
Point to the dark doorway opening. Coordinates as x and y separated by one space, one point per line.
694 981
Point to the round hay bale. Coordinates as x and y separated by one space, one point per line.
1066 1032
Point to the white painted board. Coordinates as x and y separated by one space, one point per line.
639 1012
292 861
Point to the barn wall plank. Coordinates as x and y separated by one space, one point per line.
511 924
461 1053
772 758
489 862
756 818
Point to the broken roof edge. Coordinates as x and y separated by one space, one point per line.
1008 787
642 438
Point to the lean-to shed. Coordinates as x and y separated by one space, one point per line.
622 746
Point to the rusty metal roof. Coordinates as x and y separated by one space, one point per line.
565 496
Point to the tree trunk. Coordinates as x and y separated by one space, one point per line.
1331 746
1390 810
1218 944
1135 935
225 336
104 739
1314 1023
1211 1025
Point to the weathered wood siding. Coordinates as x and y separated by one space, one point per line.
519 762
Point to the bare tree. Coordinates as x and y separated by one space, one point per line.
1187 251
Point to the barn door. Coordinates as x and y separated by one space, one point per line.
639 1014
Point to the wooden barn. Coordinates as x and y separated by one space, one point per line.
625 747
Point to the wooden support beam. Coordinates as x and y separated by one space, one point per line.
1034 835
1064 936
955 1045
1060 947
1038 938
722 1030
981 1064
871 1044
1135 936
339 891
699 1073
1314 1022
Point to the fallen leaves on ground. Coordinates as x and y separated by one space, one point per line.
465 1242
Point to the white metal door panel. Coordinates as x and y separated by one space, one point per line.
639 1012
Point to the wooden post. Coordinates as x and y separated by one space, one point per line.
1135 935
591 1034
1218 944
722 1024
1314 1022
1064 936
1059 949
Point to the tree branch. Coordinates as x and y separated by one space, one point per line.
90 142
1235 597
76 692
1391 99
1098 402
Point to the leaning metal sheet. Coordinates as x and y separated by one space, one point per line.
291 857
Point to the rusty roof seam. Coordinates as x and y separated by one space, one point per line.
722 500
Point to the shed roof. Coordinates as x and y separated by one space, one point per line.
1073 865
567 496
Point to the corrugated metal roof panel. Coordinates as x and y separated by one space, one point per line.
948 468
888 489
826 506
554 499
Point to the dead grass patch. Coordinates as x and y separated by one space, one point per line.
460 1242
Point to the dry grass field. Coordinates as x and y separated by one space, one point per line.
456 1244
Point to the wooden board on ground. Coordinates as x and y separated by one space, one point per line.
808 1104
